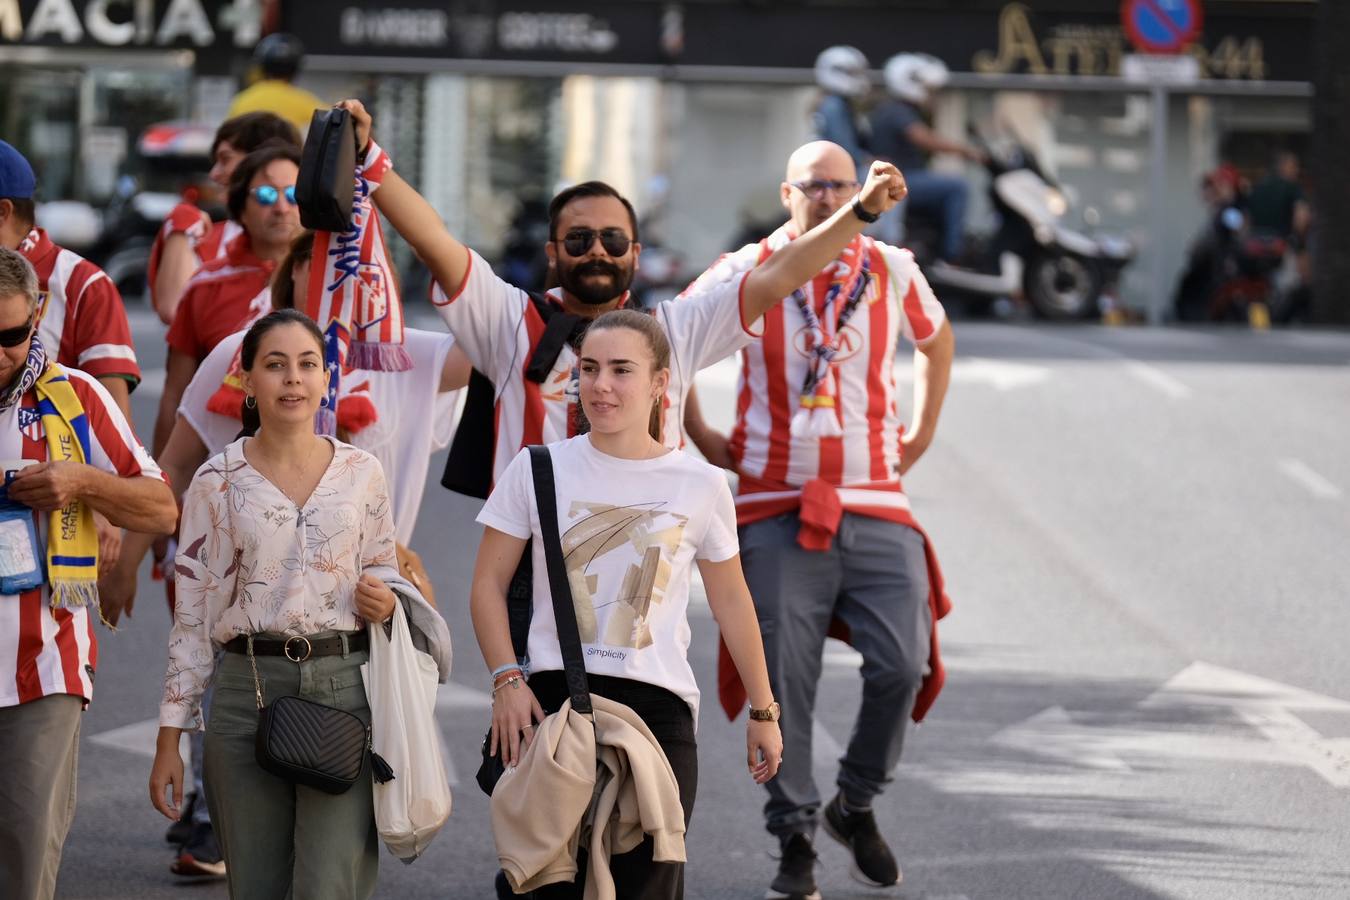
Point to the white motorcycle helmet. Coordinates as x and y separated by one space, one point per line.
915 76
843 70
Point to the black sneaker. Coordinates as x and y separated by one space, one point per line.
180 832
200 857
873 862
796 878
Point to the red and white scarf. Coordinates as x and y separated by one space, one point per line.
353 295
816 415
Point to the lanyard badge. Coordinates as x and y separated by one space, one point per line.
20 557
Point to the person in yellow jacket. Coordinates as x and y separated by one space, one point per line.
278 56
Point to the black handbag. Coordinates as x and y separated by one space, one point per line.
325 187
309 743
564 614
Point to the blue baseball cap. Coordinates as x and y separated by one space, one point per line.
16 175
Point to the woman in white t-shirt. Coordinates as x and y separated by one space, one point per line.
634 518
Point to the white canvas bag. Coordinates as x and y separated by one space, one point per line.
401 689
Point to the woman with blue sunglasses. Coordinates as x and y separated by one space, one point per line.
228 294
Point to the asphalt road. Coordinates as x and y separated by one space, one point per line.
1148 695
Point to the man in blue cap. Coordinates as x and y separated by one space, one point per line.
81 319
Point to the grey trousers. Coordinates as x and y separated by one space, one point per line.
875 578
39 747
283 840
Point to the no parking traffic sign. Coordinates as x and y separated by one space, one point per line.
1161 26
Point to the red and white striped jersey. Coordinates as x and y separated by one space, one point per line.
46 651
498 327
209 240
81 316
864 461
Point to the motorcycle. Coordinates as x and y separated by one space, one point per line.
1229 270
168 156
1064 273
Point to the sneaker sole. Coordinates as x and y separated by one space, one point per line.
771 894
854 872
187 866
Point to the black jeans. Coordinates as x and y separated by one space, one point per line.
636 877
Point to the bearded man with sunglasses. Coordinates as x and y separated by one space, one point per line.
227 294
829 543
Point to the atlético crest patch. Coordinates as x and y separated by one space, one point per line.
30 423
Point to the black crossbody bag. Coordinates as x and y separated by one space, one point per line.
309 743
564 613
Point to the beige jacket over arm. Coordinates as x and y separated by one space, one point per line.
607 785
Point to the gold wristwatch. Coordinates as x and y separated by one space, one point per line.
769 713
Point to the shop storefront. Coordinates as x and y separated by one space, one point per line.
80 80
692 107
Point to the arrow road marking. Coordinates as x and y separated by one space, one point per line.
1267 707
1306 477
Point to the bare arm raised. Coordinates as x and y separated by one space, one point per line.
413 217
801 259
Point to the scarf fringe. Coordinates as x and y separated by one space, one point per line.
378 357
819 422
71 593
325 421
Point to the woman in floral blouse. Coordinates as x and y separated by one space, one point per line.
287 543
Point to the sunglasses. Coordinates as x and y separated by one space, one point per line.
266 195
13 337
577 241
816 188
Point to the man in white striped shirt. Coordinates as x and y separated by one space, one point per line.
828 539
47 647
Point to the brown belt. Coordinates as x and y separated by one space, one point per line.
299 648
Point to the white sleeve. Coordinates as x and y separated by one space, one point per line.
216 431
719 541
509 505
485 314
922 313
706 325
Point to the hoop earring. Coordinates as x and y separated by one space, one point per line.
324 401
251 402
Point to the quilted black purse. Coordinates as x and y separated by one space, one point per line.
564 613
326 185
309 743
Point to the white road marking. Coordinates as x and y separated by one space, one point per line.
138 738
1155 377
1266 706
825 750
1315 484
999 374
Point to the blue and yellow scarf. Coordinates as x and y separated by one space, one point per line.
72 538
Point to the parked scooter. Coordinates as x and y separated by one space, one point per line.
1063 272
169 159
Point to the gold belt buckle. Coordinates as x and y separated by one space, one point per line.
286 648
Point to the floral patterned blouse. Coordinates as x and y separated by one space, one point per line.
251 562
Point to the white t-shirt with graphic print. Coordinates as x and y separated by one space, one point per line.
631 532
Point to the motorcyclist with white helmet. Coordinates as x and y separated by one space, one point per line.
843 77
900 134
